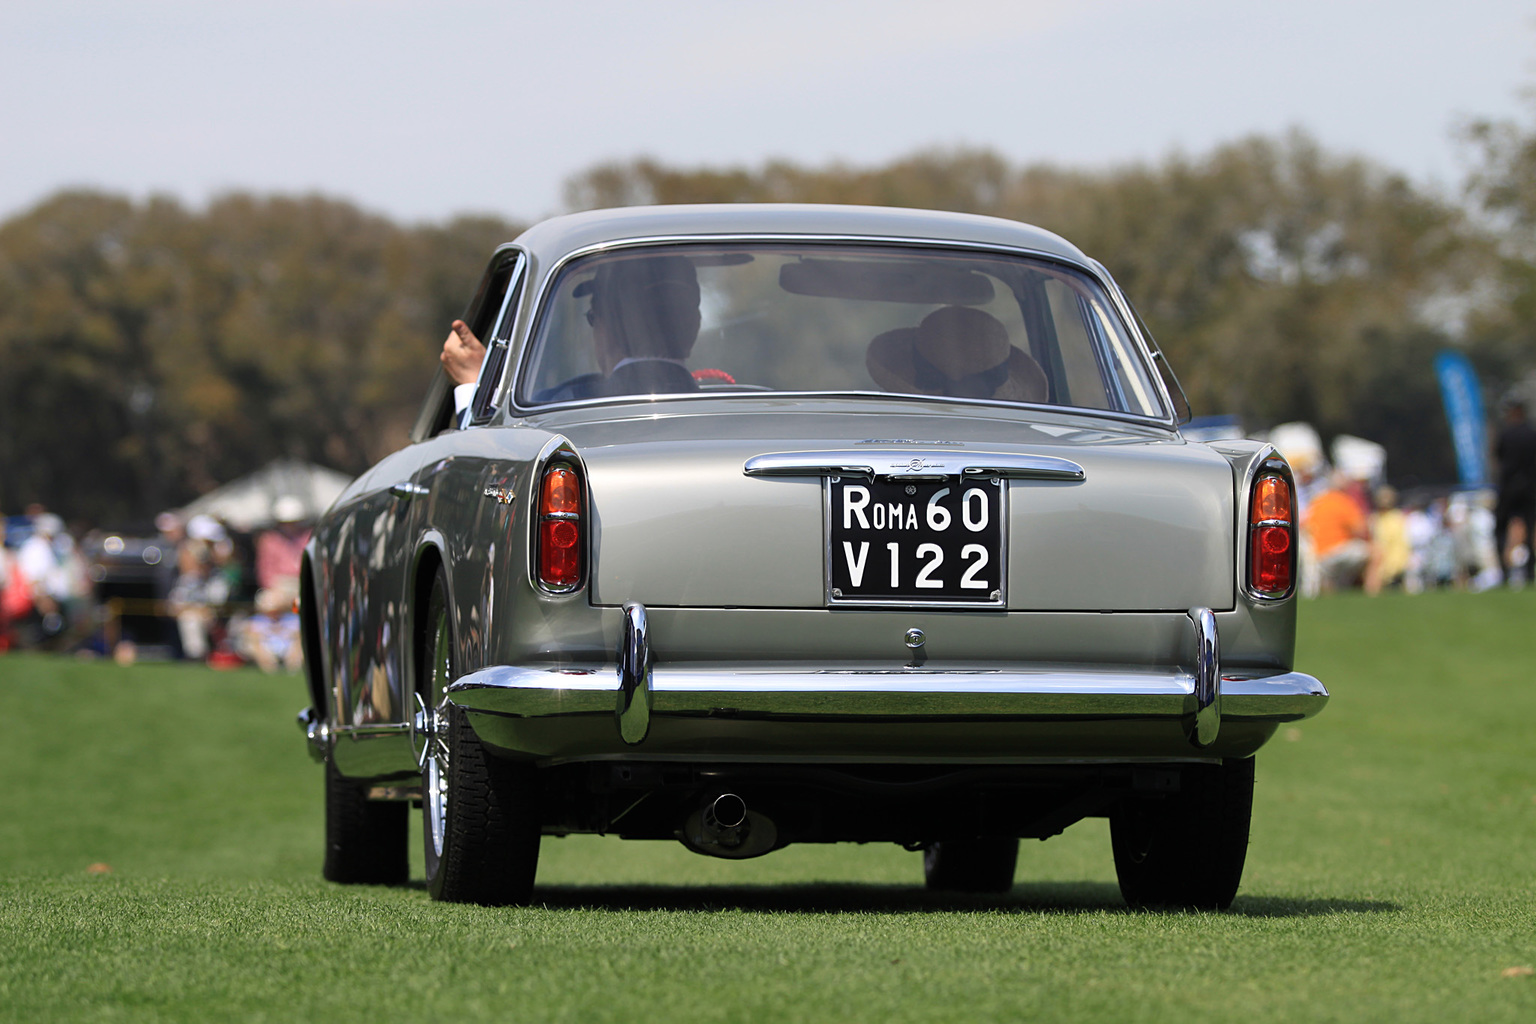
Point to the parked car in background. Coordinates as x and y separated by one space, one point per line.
785 524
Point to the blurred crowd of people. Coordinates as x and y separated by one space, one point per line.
196 590
1355 535
1356 532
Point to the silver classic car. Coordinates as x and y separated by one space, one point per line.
787 524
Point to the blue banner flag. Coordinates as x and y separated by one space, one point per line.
1463 398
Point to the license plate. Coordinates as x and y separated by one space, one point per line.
933 542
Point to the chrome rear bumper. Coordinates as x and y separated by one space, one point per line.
956 712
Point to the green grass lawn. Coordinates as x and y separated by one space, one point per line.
1390 875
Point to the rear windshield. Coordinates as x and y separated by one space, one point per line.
744 318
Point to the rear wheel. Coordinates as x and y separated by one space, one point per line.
1186 850
480 814
365 840
971 865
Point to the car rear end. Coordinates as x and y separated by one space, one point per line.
862 607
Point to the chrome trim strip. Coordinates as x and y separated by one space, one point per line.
548 277
634 703
975 691
365 732
1149 346
408 489
909 463
1205 717
515 288
630 757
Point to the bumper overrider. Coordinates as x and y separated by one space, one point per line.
973 712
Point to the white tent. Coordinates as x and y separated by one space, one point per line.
246 504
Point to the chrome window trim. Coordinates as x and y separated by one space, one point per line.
1148 346
1091 268
502 333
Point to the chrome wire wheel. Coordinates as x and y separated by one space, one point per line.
432 726
480 815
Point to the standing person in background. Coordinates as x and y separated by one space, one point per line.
15 599
1391 548
1515 450
280 551
1340 534
51 566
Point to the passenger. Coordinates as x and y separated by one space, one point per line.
959 352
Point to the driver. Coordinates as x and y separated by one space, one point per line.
645 320
644 314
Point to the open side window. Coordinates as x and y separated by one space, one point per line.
485 310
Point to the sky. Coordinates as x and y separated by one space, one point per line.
422 110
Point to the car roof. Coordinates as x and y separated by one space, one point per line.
553 238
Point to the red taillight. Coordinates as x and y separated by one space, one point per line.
559 556
1271 541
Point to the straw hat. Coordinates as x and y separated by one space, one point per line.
956 351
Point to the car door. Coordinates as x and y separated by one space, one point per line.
462 475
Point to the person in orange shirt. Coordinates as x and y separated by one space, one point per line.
1340 534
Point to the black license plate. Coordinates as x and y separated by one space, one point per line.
916 542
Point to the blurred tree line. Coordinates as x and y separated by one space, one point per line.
151 352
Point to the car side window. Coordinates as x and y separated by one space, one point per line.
498 343
437 411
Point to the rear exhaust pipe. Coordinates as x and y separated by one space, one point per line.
725 821
720 825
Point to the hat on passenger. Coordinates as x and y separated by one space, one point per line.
956 351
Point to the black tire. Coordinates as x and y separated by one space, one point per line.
1188 849
971 865
480 813
365 840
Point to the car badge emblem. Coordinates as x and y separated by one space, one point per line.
503 495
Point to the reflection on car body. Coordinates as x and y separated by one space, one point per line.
777 524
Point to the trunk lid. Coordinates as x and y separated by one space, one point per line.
678 523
